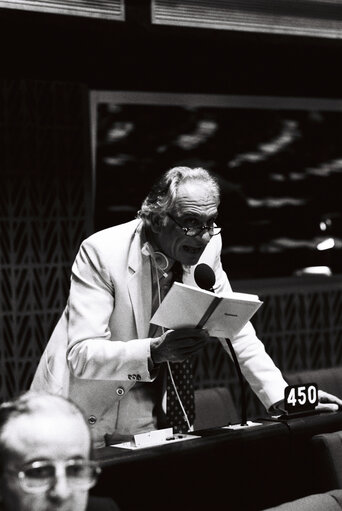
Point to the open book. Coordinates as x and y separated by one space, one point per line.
222 315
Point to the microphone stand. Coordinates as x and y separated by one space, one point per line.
201 323
205 279
241 381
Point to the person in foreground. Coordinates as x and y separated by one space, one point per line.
45 449
104 352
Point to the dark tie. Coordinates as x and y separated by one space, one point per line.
183 380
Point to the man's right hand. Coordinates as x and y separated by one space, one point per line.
178 345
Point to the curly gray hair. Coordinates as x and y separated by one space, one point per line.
163 195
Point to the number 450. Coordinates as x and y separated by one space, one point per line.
302 395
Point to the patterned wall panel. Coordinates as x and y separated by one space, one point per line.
300 326
44 214
45 211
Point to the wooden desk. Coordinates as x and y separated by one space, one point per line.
247 469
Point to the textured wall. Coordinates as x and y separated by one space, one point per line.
299 324
44 213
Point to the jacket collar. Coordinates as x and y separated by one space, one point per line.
140 281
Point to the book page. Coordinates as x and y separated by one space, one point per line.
231 316
184 306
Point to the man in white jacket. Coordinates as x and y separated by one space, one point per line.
104 353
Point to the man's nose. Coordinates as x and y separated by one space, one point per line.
205 236
60 490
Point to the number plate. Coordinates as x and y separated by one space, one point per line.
301 398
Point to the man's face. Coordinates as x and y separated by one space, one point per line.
55 438
195 205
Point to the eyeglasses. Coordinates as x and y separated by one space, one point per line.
41 476
196 230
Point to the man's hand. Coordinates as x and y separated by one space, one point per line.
177 345
328 402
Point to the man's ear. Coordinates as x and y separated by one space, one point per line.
156 223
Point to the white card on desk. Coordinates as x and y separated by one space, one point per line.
153 438
241 426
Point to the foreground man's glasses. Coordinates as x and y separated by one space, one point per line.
40 476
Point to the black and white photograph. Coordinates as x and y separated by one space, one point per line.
170 255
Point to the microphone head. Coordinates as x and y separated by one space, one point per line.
204 276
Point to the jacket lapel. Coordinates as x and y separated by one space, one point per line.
140 286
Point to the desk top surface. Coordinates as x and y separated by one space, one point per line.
306 426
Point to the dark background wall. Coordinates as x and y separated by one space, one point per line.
49 63
136 55
280 171
45 213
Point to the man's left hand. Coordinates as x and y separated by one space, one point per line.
328 402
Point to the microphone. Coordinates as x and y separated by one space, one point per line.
205 279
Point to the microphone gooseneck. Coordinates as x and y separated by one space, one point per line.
205 279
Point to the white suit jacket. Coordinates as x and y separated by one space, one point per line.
100 346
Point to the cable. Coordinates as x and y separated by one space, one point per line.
151 252
242 385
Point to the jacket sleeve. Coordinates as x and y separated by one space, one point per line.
91 353
256 365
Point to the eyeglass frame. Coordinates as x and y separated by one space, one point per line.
201 229
50 481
